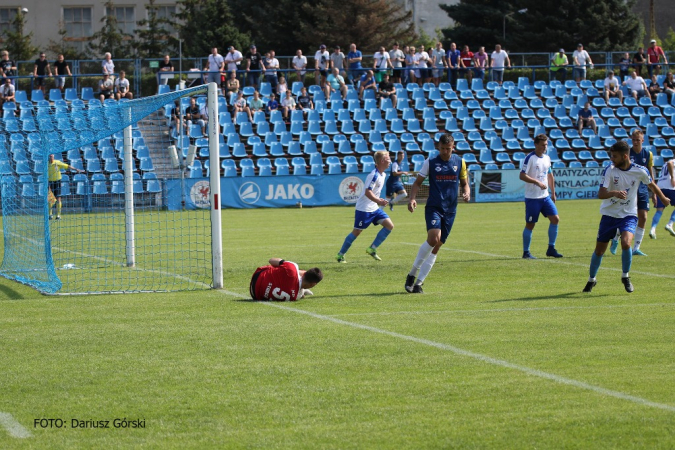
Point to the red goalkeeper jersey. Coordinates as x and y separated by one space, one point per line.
278 283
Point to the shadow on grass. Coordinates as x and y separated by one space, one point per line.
574 295
319 297
10 293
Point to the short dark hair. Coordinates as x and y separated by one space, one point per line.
620 147
313 275
446 139
540 138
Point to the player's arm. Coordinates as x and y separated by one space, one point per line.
665 200
373 198
604 193
464 183
528 179
412 203
551 185
276 262
671 171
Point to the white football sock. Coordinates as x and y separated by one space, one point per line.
426 268
422 254
400 197
639 234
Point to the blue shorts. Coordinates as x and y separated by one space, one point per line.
536 206
393 188
362 219
643 199
670 193
437 219
609 225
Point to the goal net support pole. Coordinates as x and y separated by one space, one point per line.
214 192
129 199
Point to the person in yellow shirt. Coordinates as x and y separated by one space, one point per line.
54 177
559 66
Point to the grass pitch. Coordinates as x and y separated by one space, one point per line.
499 352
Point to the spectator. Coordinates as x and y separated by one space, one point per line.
304 103
7 92
273 104
367 82
654 55
397 58
669 86
559 65
421 63
386 89
233 59
254 68
122 85
105 87
214 67
439 63
271 67
452 62
354 58
321 62
256 104
337 61
480 63
282 87
194 115
580 58
7 66
612 87
654 87
410 65
336 83
61 69
381 63
40 70
586 119
287 105
466 57
499 60
231 86
637 86
108 65
175 122
300 64
240 105
639 61
624 65
164 66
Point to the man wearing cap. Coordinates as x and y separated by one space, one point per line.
654 55
233 59
580 58
254 67
559 65
321 62
337 61
612 87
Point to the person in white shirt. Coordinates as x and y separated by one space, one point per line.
214 66
498 61
397 58
321 63
420 61
665 182
580 57
122 86
271 67
233 59
300 64
637 86
108 65
619 210
381 62
612 87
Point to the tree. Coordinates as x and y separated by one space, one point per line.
206 24
63 47
478 23
153 38
17 43
111 38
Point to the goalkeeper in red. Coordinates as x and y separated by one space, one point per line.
283 281
54 176
447 174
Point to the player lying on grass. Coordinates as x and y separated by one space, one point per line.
619 194
282 280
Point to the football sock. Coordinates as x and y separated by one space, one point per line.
527 238
595 264
552 234
617 236
656 218
381 236
426 268
672 219
58 208
422 254
639 234
626 260
399 198
348 243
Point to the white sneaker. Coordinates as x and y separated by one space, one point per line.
652 234
669 229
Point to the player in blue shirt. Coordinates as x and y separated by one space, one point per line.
619 209
446 172
368 209
641 157
536 172
395 190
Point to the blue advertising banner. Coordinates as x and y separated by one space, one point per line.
506 186
269 192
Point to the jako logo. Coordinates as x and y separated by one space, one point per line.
249 192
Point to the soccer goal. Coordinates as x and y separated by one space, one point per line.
124 222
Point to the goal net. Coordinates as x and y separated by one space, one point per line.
122 223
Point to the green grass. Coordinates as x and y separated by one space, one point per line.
361 364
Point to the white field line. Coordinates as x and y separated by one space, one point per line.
549 260
14 428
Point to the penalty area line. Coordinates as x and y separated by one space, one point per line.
14 428
486 359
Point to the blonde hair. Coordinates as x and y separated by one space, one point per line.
637 133
379 155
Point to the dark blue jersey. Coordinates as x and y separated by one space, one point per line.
643 158
444 179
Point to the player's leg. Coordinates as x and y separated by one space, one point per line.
428 264
361 222
401 195
58 208
551 211
669 226
532 211
655 222
433 220
606 231
643 209
387 226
